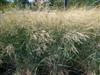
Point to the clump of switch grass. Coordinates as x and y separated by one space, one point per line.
51 43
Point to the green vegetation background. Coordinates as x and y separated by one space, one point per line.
56 42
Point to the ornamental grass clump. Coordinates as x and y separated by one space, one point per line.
54 43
